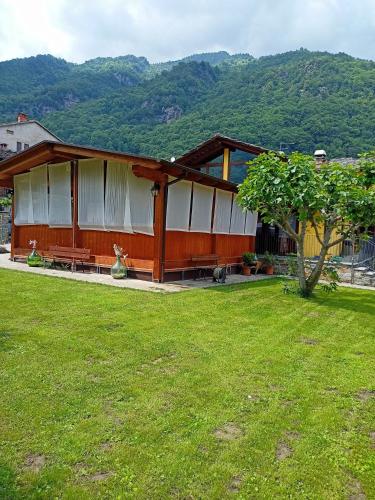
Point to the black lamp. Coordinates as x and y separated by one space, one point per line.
155 190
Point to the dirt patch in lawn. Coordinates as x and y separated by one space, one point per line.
283 450
366 395
235 484
332 389
293 435
355 490
99 476
228 432
313 314
106 446
308 341
35 462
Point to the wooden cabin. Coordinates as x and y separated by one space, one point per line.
171 218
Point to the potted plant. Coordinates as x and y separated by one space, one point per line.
249 260
269 262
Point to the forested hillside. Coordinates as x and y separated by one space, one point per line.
307 99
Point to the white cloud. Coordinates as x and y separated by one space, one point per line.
167 29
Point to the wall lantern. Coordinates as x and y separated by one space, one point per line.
155 190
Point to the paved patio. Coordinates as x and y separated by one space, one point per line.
134 284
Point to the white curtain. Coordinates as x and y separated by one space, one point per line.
60 197
117 216
237 222
141 204
251 223
91 194
178 206
201 213
23 206
39 194
223 208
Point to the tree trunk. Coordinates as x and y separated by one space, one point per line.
300 243
314 277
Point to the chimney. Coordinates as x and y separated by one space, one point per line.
22 117
320 157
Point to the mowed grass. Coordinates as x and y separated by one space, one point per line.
217 393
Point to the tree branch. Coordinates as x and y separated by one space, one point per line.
315 226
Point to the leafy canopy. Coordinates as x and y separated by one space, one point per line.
342 196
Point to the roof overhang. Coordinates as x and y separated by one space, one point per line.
214 147
56 152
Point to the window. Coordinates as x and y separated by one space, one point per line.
26 146
11 132
19 146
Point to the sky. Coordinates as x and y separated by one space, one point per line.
161 30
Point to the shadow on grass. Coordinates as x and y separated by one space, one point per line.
231 287
8 487
359 301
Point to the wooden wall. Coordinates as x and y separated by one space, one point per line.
180 247
138 246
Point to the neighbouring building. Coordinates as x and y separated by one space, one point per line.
15 137
21 134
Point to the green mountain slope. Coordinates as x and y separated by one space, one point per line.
307 99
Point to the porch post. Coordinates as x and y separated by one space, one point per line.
159 232
13 233
226 164
75 204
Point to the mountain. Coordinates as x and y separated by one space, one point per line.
307 100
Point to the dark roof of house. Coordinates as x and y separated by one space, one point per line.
30 121
55 152
214 147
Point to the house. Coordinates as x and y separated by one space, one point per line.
21 134
170 217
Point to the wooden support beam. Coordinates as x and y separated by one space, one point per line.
148 173
226 164
75 205
14 229
160 212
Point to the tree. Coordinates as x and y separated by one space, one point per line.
338 198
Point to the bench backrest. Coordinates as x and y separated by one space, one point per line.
69 252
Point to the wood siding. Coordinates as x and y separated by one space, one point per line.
181 246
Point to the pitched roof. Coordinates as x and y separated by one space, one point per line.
214 147
54 152
30 121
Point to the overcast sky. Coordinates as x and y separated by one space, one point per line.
78 30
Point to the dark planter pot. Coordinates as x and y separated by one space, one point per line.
246 270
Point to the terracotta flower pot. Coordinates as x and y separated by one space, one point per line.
269 270
246 270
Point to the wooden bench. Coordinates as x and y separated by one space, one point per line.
207 262
70 255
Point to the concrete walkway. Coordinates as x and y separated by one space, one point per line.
134 284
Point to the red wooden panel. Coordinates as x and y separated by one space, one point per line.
137 246
44 235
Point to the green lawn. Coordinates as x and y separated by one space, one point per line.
217 393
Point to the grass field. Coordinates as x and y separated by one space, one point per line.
218 393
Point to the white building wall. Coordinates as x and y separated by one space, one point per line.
29 132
